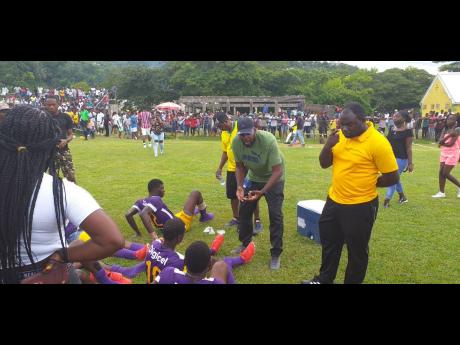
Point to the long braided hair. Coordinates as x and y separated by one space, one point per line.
28 139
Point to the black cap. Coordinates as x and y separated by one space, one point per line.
245 126
221 117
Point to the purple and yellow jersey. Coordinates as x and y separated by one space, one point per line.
171 275
160 257
161 214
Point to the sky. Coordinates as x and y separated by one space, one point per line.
381 66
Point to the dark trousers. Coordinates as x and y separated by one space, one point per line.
424 132
274 198
351 225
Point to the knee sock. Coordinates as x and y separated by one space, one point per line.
234 261
155 148
230 276
102 278
202 208
136 246
125 254
129 272
161 147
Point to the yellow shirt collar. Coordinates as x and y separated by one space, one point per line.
363 137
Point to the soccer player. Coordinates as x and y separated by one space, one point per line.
162 252
199 262
152 209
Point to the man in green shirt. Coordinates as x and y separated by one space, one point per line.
257 152
84 118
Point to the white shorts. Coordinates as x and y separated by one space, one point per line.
133 129
145 131
160 137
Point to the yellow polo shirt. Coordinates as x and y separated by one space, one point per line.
356 165
227 139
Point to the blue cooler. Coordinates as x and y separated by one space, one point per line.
308 214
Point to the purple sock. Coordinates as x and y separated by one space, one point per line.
136 246
125 254
102 278
70 229
234 261
230 277
129 272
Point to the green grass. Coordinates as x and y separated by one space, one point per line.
413 243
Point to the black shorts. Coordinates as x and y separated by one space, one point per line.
231 185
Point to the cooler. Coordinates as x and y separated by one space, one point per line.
308 214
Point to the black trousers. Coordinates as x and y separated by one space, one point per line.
341 224
274 198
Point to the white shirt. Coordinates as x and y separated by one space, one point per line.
117 120
100 117
45 237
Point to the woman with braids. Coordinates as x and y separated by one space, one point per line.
35 205
400 138
450 155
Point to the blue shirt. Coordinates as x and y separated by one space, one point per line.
133 119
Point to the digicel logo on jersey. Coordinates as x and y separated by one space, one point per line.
156 256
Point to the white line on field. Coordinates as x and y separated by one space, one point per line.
430 147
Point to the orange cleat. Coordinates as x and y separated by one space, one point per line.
118 278
248 252
141 253
217 243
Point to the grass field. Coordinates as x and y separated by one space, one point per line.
413 243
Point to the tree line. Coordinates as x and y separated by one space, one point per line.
145 83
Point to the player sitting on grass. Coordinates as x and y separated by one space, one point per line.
198 262
133 251
162 252
99 272
152 209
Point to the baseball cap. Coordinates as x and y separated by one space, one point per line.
4 106
221 117
245 126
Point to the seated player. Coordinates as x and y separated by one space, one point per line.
134 251
99 272
162 252
158 213
198 262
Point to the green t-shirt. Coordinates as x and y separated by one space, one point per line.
260 157
84 116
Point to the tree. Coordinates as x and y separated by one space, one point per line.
451 67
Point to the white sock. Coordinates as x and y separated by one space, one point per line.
161 147
155 149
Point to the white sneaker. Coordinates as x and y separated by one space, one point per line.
439 195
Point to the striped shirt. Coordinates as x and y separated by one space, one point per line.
145 119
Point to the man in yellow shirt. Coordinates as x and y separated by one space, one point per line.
362 160
229 132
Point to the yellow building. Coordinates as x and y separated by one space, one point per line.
443 94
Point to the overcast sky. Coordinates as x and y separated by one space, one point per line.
381 66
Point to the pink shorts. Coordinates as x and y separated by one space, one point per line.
450 158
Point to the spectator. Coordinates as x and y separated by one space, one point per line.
64 160
450 155
4 109
28 140
358 153
401 142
